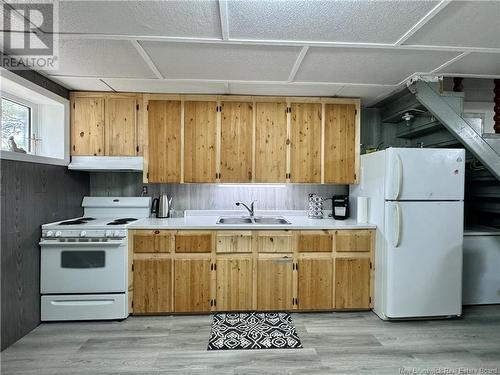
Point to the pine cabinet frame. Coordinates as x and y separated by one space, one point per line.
291 102
106 120
321 252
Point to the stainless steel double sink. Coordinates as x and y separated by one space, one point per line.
264 220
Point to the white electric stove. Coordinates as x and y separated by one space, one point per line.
84 261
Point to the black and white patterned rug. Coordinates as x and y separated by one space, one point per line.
253 330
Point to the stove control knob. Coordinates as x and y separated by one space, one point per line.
58 233
50 233
83 233
117 233
108 233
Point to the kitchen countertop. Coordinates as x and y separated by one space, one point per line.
195 219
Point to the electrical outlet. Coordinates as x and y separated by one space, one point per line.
144 190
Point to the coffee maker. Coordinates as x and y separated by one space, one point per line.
340 207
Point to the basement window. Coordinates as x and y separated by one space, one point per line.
17 126
34 122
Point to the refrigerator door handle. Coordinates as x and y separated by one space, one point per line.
398 178
397 232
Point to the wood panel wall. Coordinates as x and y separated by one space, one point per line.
32 194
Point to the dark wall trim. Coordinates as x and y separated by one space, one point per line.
41 81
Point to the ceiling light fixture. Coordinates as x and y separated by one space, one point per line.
408 117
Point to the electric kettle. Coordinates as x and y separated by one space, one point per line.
161 206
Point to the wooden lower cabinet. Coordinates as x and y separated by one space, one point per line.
152 285
192 277
234 283
274 282
203 271
352 283
315 283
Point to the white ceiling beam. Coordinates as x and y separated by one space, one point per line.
285 43
147 59
298 61
224 20
224 82
451 61
107 84
423 21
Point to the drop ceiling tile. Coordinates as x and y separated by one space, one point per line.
161 86
146 18
367 94
81 84
334 21
464 24
367 65
288 89
222 61
475 63
100 58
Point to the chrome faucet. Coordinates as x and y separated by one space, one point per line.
249 209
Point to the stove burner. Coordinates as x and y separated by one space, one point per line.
73 222
123 221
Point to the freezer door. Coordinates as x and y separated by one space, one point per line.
424 259
425 174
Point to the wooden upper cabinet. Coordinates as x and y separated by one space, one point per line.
87 126
340 143
236 142
200 133
270 142
121 126
164 134
305 138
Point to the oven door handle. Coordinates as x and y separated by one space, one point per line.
80 244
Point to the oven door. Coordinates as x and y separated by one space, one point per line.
83 267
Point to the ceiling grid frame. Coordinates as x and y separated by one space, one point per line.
305 45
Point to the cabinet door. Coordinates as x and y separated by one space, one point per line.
87 126
315 283
275 242
352 283
164 134
274 283
121 126
192 285
152 285
305 138
314 242
152 241
340 143
200 132
236 142
270 142
353 240
234 283
193 242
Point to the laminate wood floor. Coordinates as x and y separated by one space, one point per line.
334 343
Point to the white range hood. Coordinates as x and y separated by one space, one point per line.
107 163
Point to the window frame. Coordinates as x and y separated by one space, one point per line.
34 125
13 83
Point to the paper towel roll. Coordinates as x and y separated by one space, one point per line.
362 212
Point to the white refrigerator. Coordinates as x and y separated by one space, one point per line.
415 197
